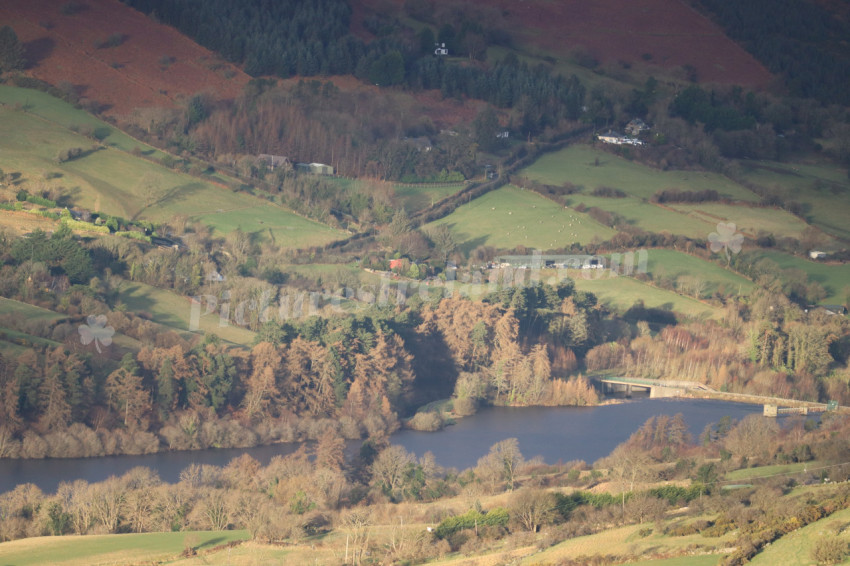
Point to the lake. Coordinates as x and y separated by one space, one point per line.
555 433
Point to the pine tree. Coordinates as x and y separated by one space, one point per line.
11 51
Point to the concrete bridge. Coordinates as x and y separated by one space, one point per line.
657 388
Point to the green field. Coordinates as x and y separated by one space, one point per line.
146 548
647 216
629 540
62 114
768 471
748 220
577 164
416 197
31 312
174 311
796 547
510 217
835 278
113 181
620 293
823 189
670 263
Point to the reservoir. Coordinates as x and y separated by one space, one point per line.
558 434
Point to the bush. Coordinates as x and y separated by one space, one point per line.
829 550
429 421
465 407
608 192
114 40
40 201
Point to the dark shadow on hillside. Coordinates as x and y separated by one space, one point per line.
37 50
211 542
470 245
174 194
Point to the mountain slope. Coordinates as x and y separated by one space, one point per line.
150 64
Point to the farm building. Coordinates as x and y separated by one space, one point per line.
831 309
815 254
578 261
618 139
315 168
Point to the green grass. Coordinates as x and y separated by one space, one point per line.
748 220
628 540
796 547
620 293
647 216
113 181
767 471
174 311
63 114
111 549
822 188
700 560
674 264
267 221
416 197
510 217
31 312
835 278
576 164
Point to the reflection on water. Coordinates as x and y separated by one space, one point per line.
555 433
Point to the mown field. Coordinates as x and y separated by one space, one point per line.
633 539
416 197
673 264
103 550
835 278
823 190
748 220
35 127
796 547
510 217
577 164
174 311
647 216
620 293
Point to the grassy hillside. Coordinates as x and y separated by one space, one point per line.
796 547
577 164
510 217
834 277
749 220
36 127
174 311
112 549
620 293
823 189
673 264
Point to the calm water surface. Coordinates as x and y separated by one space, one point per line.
555 433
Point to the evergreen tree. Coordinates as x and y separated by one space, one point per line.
11 51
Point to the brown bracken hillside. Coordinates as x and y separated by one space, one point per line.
154 65
666 33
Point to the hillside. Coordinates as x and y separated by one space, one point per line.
151 65
659 33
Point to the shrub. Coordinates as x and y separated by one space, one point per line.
429 421
114 40
829 550
608 192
